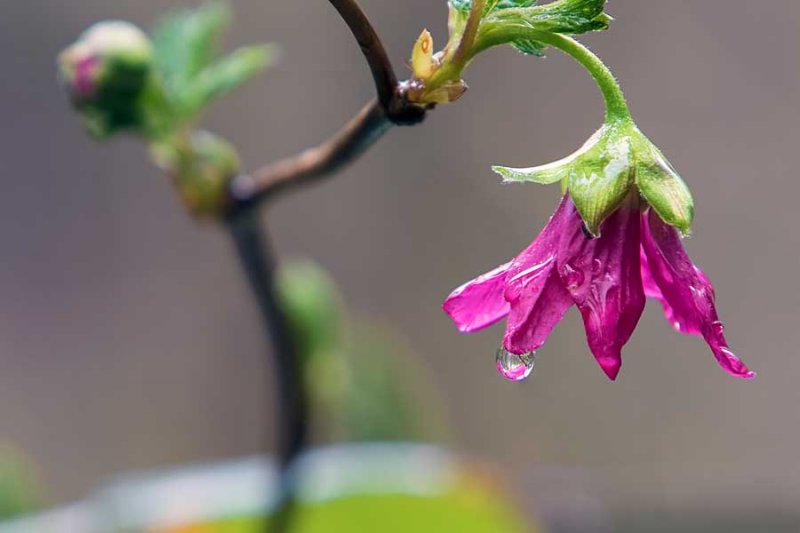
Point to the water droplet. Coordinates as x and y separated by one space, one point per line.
515 367
717 328
573 279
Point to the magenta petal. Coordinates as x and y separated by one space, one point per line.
540 252
651 290
537 297
686 290
479 303
603 277
536 311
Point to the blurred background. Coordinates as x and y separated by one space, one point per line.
128 339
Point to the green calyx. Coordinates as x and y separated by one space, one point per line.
601 174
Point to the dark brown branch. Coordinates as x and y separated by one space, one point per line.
375 119
371 47
315 163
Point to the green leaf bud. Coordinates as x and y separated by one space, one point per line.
202 169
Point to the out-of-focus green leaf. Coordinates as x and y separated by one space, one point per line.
226 75
186 41
19 492
188 68
365 384
313 307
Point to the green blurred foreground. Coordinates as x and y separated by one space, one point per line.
361 487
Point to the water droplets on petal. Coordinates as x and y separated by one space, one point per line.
572 277
515 367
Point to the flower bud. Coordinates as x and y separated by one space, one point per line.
422 57
201 169
105 72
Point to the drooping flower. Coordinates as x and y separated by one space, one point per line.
612 241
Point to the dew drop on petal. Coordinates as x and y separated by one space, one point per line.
515 367
573 278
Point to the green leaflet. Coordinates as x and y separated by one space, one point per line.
186 41
570 17
225 75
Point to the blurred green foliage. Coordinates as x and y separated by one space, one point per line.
19 489
365 383
191 73
472 508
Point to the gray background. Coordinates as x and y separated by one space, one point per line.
128 340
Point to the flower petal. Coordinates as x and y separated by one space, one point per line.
479 303
536 311
537 297
651 290
604 279
686 290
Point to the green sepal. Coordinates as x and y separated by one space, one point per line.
601 178
551 172
664 189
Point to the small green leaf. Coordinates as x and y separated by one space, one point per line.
570 17
226 75
492 5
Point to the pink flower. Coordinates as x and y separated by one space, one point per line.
636 254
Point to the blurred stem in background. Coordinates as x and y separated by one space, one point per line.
259 264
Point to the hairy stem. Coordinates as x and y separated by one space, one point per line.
462 54
616 106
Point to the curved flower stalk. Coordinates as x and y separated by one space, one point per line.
614 240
